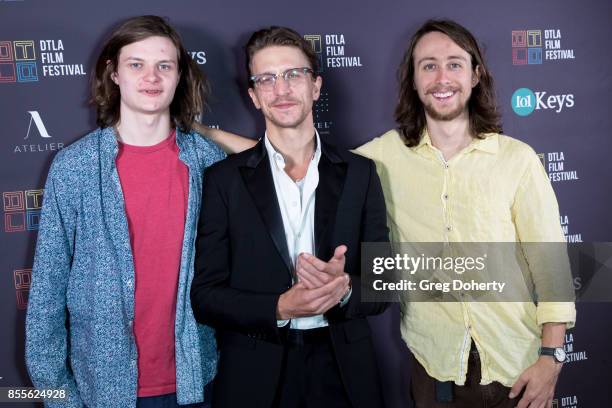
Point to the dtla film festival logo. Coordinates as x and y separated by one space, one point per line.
22 210
565 226
524 101
22 279
29 61
331 49
555 165
531 47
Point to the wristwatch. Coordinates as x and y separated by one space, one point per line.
555 352
347 295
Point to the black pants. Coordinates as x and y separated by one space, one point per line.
310 375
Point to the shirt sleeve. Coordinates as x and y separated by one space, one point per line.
47 346
536 218
371 150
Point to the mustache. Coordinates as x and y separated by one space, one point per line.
282 100
438 88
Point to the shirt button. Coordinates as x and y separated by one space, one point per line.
445 165
449 228
128 283
445 196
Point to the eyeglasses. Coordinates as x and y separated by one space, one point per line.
292 76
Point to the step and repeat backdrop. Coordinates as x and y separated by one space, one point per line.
551 61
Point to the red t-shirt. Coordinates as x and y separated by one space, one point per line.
155 187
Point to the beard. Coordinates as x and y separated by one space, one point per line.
444 116
281 121
452 114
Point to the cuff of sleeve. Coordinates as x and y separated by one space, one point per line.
556 312
346 297
282 323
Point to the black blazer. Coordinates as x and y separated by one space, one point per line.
242 267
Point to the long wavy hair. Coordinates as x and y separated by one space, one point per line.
482 106
191 91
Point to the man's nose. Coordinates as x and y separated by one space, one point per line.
151 74
281 86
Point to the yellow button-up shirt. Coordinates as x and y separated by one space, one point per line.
494 190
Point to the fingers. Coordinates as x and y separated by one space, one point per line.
339 252
303 301
309 259
334 267
309 279
312 275
518 387
337 284
338 289
532 399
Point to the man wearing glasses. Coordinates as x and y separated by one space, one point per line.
277 264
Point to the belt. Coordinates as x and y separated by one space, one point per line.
297 337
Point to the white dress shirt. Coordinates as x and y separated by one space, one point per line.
296 200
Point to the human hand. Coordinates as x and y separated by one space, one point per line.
539 381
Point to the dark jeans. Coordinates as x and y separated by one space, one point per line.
470 395
169 401
310 375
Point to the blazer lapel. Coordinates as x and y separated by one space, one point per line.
332 174
257 177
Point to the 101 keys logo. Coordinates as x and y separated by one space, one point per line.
524 101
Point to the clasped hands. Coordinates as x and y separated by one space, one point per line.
320 286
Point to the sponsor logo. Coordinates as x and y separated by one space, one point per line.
18 61
22 210
532 47
30 60
565 224
332 51
556 167
198 56
573 355
37 137
568 402
22 279
525 101
322 117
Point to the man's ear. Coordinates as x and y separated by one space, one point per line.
254 98
316 91
476 76
113 75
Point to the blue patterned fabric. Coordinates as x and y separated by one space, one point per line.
81 306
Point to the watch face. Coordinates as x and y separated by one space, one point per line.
560 354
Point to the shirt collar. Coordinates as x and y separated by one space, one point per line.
278 159
489 144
